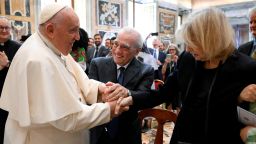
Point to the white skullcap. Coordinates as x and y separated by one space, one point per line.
49 11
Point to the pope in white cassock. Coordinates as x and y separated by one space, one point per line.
49 98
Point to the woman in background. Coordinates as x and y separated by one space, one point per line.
79 49
170 61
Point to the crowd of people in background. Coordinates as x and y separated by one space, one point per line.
113 81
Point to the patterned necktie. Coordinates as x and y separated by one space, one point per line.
120 78
96 52
253 104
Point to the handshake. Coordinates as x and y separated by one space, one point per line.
117 96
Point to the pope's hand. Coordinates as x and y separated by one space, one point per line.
116 109
119 107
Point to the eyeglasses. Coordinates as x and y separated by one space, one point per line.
122 45
7 28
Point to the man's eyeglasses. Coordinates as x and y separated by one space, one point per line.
121 45
7 28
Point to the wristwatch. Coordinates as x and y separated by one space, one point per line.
129 93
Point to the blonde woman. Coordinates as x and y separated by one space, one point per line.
209 76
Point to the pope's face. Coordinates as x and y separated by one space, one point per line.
66 32
253 24
4 30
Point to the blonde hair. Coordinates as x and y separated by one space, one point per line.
210 31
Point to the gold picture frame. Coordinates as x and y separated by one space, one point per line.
167 22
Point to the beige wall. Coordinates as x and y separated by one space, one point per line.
203 3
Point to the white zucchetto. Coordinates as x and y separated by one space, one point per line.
49 11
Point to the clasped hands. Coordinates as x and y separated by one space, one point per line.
4 62
117 96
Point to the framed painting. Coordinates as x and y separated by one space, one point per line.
108 13
107 34
21 14
167 22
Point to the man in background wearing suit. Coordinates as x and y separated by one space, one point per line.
98 50
159 56
249 47
8 49
136 79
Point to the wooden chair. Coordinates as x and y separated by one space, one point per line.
157 83
162 116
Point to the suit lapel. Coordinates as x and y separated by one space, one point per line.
131 71
111 70
102 50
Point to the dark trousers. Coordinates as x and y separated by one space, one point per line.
99 135
3 118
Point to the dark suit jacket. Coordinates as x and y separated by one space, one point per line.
161 58
138 78
246 48
103 51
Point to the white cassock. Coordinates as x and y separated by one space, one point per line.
47 96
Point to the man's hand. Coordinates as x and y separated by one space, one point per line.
115 91
4 62
127 101
248 93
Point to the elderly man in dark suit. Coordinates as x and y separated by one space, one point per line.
135 83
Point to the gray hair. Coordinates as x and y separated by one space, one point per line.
138 42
